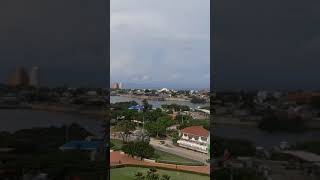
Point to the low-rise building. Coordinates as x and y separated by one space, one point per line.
195 138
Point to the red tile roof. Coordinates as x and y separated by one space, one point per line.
196 130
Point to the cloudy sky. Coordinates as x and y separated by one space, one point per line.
66 39
164 43
266 44
160 43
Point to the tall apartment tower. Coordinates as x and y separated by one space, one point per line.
35 77
115 86
120 85
19 78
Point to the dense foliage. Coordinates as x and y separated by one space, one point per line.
151 175
139 149
37 150
271 122
39 140
197 100
310 146
125 127
159 127
237 147
175 107
239 174
195 122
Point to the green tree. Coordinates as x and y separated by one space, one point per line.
123 105
191 122
154 115
158 128
146 105
125 127
151 175
174 134
310 146
197 100
129 149
272 122
144 150
140 149
237 147
165 177
175 107
139 176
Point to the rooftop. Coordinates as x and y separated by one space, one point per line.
196 130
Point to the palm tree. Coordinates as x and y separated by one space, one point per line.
125 127
139 176
146 105
151 174
165 177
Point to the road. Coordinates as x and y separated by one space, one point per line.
172 149
179 151
279 172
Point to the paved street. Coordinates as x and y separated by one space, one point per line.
170 148
179 151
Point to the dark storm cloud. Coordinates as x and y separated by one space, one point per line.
266 44
66 38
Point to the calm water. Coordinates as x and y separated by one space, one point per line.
261 138
155 104
13 120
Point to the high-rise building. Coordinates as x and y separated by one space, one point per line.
115 86
35 77
19 78
120 85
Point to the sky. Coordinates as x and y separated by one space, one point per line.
266 44
160 43
66 39
164 43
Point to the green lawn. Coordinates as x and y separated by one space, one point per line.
161 155
128 173
117 144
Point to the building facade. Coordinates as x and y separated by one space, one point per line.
115 86
35 77
19 78
195 138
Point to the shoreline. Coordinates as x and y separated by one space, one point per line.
69 110
157 98
171 100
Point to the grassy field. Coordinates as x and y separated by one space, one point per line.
160 155
128 173
117 144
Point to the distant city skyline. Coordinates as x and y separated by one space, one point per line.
160 43
70 48
158 86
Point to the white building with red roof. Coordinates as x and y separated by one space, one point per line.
195 138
